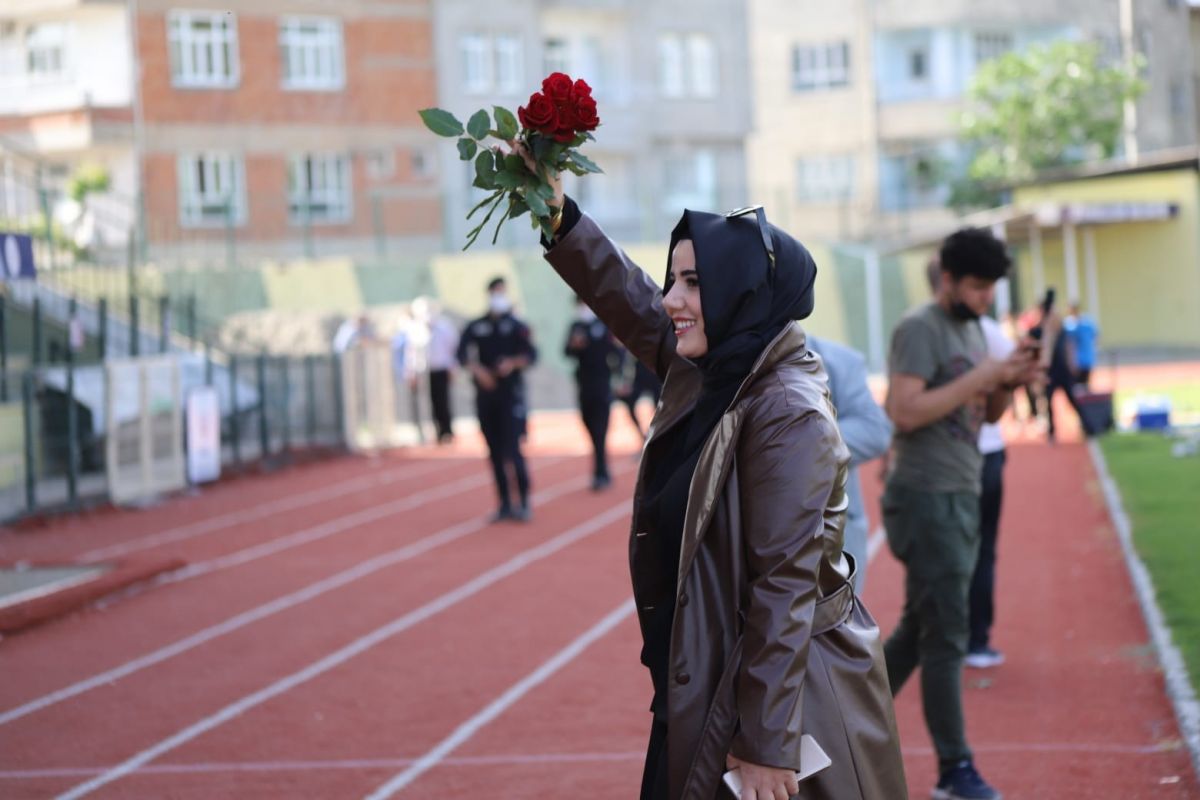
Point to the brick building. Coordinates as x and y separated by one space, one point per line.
262 126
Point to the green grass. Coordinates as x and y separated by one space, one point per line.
1161 494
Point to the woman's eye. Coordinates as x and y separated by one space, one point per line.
692 283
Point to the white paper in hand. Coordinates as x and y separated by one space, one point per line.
812 760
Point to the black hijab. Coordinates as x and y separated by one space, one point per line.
746 302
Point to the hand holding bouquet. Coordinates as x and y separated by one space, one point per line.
556 121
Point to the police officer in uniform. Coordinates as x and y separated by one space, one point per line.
496 348
590 343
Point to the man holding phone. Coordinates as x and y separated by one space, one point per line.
942 387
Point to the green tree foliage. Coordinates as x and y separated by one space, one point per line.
1048 106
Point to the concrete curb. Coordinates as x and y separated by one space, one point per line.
44 608
1179 685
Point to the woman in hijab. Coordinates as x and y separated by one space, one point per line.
751 630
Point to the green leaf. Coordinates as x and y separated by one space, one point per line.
466 148
545 190
443 123
515 165
506 123
583 161
507 180
537 205
518 208
485 170
478 124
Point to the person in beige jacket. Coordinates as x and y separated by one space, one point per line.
752 632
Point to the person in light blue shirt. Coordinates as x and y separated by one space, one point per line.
867 432
1082 333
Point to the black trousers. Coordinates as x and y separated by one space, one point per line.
983 581
439 400
654 774
594 405
502 430
1068 386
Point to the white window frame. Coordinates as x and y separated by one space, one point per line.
475 50
822 66
702 67
556 55
672 68
203 60
924 51
510 63
12 53
825 179
312 53
47 51
992 44
320 189
224 179
690 181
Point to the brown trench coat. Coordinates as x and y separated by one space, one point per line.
768 639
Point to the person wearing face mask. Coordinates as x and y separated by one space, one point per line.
591 345
756 644
942 386
496 349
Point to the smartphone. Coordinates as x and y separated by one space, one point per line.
812 760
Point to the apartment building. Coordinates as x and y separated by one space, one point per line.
669 78
856 104
281 127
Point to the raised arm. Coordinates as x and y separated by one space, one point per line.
621 293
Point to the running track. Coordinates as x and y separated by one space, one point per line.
354 629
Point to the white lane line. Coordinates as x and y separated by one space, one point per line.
875 542
232 518
529 759
502 703
355 648
279 604
1175 671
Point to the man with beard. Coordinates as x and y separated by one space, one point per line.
942 387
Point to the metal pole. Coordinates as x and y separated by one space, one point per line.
44 197
208 364
30 466
235 433
230 243
310 391
164 322
377 225
190 310
3 353
285 391
338 406
36 358
264 441
135 331
72 416
874 291
103 343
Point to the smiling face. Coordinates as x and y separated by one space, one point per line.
682 302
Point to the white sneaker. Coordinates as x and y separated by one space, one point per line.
984 659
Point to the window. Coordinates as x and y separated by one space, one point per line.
203 49
1178 98
46 51
212 190
689 181
423 164
989 45
687 66
311 52
824 66
380 164
825 179
918 64
492 64
319 188
11 66
510 77
556 56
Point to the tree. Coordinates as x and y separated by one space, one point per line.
1048 106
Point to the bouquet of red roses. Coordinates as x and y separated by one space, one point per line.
556 121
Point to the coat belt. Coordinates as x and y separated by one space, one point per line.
834 608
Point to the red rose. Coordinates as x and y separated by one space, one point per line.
583 114
540 115
581 89
557 87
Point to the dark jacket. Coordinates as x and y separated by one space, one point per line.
768 639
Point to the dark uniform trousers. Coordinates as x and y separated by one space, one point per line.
502 420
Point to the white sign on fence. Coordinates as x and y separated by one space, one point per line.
203 435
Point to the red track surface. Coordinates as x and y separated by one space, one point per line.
290 700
